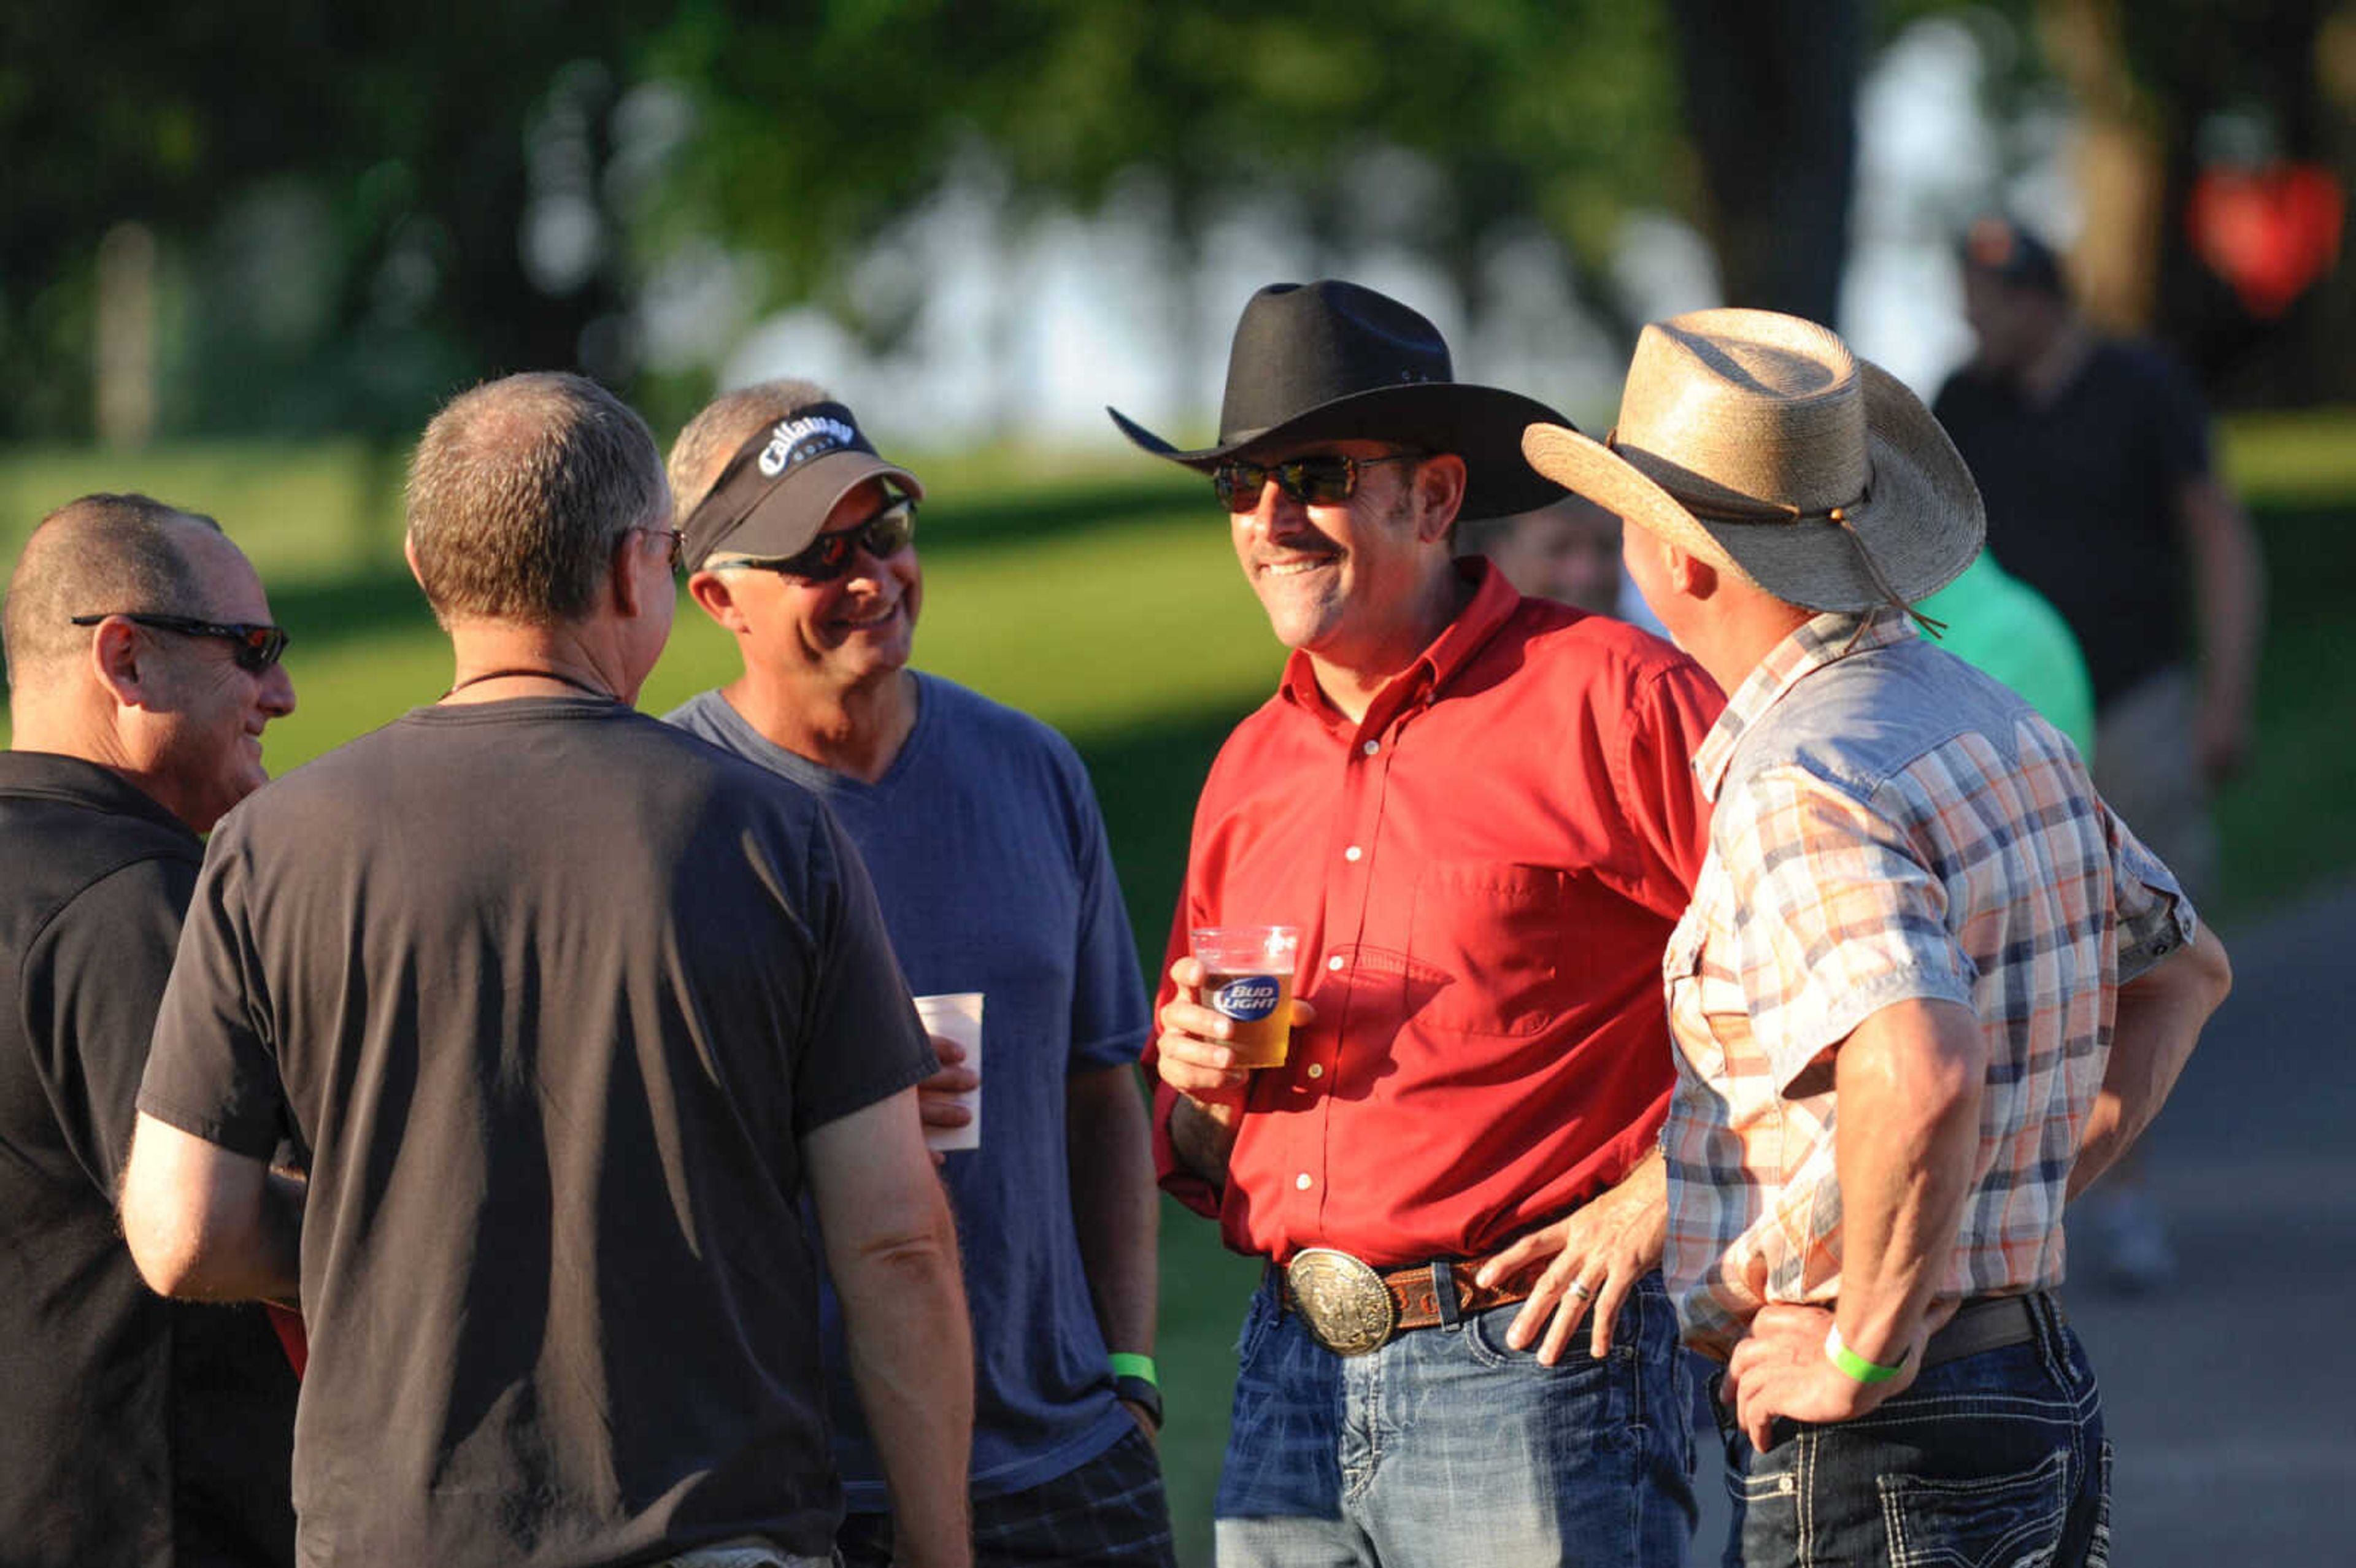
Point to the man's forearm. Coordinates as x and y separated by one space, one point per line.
911 1356
1908 1082
1115 1206
2160 1014
1201 1141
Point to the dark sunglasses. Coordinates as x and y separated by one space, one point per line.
255 647
1320 479
882 536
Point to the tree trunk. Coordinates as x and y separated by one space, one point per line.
1770 101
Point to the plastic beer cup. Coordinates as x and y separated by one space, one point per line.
957 1016
1247 978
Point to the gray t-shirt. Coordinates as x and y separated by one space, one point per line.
990 859
552 993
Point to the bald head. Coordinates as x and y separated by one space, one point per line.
100 555
519 491
712 437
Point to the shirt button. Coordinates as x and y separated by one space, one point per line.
1317 1070
1353 853
1302 1181
1333 963
1371 747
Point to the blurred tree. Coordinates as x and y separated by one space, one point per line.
359 205
343 195
816 132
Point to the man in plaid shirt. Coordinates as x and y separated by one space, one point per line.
1929 986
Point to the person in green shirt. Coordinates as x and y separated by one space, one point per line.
2000 624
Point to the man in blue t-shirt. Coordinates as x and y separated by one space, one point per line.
979 828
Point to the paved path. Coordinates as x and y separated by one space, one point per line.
2232 1398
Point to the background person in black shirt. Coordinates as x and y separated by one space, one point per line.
2092 454
571 1009
135 1432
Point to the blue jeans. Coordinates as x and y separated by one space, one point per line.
1998 1458
1445 1447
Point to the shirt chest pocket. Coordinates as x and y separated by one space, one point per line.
1490 946
1707 1012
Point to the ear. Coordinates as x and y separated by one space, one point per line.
409 554
716 597
1688 573
1440 482
119 660
622 576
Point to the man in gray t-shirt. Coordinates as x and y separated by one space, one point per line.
571 1012
989 860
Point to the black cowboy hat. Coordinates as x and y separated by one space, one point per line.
1334 361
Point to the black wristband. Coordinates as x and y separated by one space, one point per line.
1142 1394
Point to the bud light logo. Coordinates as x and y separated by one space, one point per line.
1248 1000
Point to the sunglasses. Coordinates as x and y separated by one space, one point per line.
882 536
254 646
1320 479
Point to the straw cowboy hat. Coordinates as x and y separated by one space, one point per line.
1760 443
1334 361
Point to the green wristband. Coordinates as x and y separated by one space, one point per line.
1855 1366
1129 1364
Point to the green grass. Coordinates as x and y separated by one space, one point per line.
1105 599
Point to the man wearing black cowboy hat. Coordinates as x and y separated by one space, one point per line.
1930 985
1476 808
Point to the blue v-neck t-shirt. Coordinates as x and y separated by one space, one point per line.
988 857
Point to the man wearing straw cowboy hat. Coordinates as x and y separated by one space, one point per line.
1928 987
1476 808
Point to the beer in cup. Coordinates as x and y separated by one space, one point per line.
1247 978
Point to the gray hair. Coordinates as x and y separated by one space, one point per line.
518 493
712 437
102 555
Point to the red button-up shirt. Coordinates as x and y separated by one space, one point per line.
1484 872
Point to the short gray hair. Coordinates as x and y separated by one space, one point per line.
102 555
519 490
712 437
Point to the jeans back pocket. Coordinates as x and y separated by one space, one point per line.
2013 1520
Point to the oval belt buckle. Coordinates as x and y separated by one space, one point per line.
1342 1300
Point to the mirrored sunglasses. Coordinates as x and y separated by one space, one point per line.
828 556
1319 479
255 647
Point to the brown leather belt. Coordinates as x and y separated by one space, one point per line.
1351 1307
1987 1323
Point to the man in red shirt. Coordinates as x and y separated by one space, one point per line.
1478 810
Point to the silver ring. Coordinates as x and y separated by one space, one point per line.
1582 1289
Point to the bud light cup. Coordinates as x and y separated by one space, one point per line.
1247 978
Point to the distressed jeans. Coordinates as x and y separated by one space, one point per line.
1995 1459
1445 1447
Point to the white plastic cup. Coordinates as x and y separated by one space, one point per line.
956 1015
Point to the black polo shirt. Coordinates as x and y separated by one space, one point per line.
131 1430
2081 498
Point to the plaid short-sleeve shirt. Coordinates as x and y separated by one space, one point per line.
1891 825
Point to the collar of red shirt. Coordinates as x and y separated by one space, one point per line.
1815 642
1493 602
